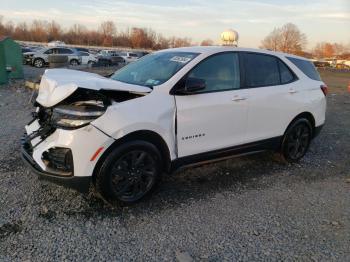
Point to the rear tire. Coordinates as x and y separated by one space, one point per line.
130 172
296 140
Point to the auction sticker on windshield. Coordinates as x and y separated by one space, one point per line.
181 59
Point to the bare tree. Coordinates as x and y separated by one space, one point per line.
272 41
179 42
207 42
76 34
1 25
21 31
143 38
54 31
328 50
108 31
9 28
38 31
287 39
339 49
161 42
106 35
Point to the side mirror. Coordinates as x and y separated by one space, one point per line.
192 85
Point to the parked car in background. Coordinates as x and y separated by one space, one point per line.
26 49
129 56
342 64
82 49
87 58
40 57
141 53
56 44
110 58
173 108
321 64
107 52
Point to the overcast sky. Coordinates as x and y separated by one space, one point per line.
320 20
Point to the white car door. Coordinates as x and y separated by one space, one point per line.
84 57
213 118
273 96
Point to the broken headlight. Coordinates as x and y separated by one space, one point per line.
77 114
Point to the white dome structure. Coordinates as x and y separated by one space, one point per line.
229 37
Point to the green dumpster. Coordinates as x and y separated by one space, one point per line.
11 61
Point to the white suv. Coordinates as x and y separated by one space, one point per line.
129 57
171 109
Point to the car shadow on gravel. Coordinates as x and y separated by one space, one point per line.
233 176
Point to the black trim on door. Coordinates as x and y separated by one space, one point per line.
271 144
242 73
242 69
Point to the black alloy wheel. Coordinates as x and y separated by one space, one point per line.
129 172
133 175
297 140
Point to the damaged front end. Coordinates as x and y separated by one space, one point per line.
60 132
77 111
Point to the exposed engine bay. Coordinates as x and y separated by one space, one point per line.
78 110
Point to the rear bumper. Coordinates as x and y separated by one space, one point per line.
81 184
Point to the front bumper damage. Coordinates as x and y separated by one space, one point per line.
63 156
61 143
81 184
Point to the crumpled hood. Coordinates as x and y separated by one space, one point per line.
58 84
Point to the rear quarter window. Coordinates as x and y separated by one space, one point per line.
286 75
306 67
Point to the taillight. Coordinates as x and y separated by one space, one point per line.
324 89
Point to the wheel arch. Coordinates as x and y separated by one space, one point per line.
74 59
144 135
306 115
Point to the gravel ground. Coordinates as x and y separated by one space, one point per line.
249 208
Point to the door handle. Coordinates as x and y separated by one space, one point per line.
292 91
239 98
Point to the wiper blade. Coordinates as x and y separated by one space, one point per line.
150 86
109 75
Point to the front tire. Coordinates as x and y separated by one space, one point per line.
296 140
129 172
39 63
74 62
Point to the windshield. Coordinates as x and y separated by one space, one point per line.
154 69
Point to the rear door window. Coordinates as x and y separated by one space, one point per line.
260 70
65 51
306 67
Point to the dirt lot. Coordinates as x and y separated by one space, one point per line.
249 208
